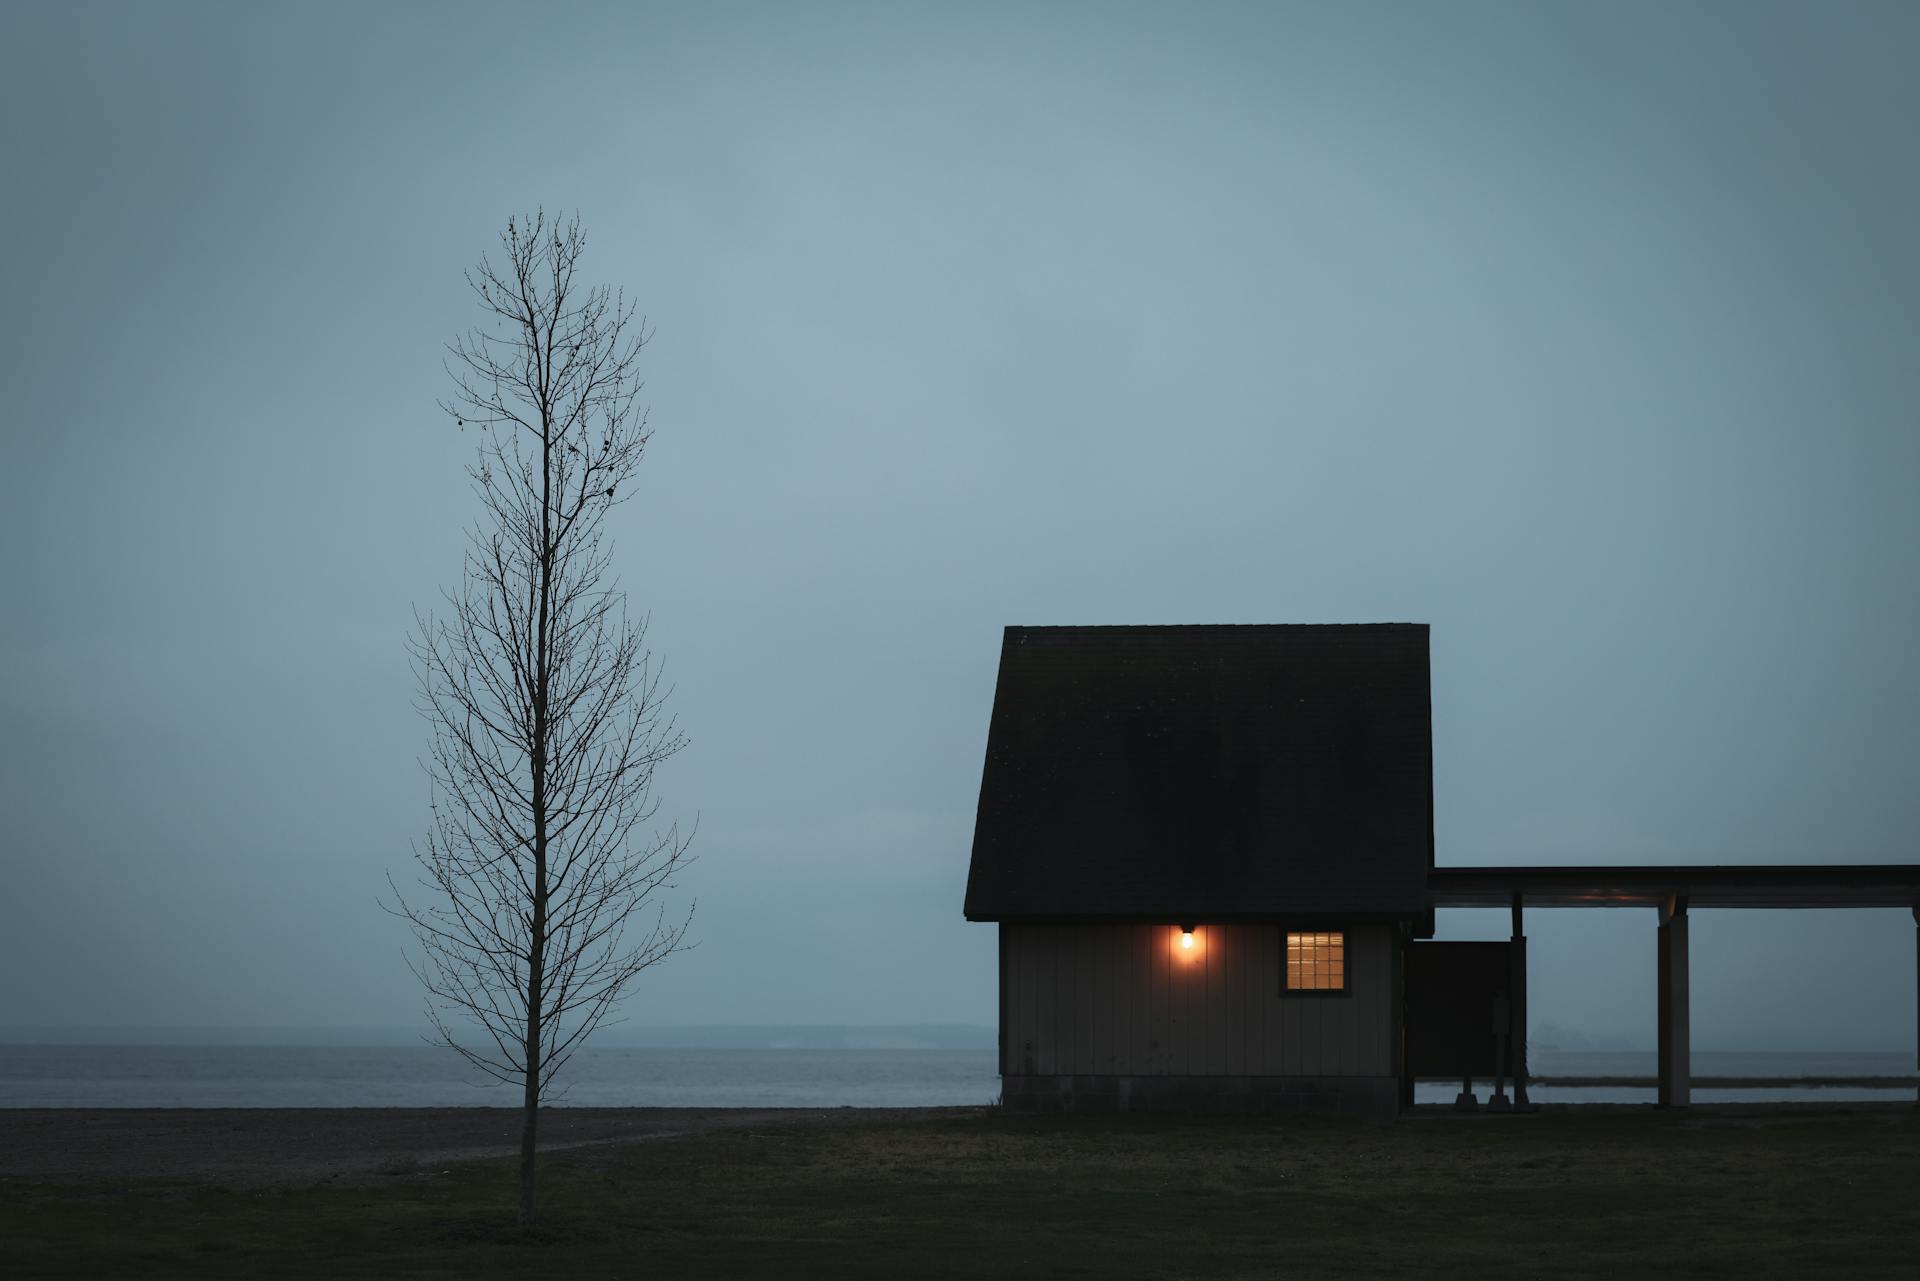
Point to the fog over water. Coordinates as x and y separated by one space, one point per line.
1585 333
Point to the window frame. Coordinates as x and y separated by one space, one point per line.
1345 990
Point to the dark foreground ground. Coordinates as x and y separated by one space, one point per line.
1763 1190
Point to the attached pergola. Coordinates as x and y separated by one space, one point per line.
1672 892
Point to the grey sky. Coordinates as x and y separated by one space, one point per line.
1588 334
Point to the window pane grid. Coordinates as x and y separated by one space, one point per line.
1316 961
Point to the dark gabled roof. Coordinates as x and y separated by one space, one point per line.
1206 774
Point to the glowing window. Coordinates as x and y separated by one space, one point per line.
1316 961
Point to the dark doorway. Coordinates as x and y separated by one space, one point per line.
1458 1009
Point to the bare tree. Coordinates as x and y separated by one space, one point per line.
543 890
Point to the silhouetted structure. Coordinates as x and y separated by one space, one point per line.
1209 851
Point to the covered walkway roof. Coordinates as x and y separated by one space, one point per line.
1731 885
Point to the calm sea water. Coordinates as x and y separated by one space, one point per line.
38 1076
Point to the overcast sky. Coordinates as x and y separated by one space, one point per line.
1589 335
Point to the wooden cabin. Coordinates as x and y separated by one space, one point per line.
1209 852
1206 849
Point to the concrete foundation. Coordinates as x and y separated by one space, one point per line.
1374 1096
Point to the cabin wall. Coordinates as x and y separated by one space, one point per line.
1121 1009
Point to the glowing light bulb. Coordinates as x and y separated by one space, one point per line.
1186 939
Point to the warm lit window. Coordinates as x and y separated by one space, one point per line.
1316 961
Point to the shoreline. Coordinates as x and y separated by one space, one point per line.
295 1146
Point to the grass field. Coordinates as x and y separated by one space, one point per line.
1758 1191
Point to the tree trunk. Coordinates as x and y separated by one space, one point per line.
536 979
529 1137
542 727
537 953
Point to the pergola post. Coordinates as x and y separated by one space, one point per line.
1517 1033
1676 1059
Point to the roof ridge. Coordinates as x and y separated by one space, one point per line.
1174 627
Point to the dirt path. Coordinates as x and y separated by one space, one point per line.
256 1146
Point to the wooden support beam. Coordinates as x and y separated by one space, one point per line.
1398 1005
1517 1033
1676 1059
